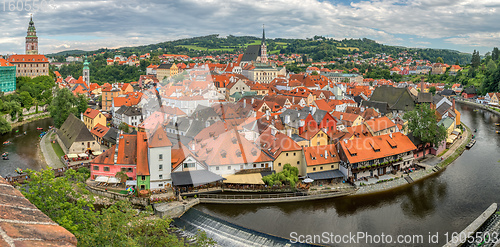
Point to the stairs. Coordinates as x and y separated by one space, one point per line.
409 179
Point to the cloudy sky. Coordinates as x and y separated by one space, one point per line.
462 25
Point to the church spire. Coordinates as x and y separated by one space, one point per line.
31 39
263 34
263 48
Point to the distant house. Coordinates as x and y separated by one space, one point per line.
75 138
93 117
469 92
323 163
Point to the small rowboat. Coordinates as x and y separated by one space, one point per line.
5 154
497 124
5 158
7 143
39 128
19 170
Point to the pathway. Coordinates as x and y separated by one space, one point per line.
48 152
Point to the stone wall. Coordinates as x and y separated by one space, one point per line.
42 110
22 224
117 196
480 106
174 209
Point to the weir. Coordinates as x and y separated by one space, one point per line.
226 233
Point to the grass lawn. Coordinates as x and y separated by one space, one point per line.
58 149
444 151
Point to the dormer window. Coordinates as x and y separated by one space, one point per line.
223 154
238 153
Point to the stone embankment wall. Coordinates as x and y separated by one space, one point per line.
117 196
175 209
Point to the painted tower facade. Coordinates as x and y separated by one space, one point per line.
86 73
263 48
31 39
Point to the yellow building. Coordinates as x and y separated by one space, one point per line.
108 93
283 149
166 70
321 158
311 139
93 117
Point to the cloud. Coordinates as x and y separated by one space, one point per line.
456 23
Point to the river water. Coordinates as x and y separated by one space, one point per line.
444 203
23 152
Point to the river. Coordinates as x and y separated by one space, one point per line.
23 152
444 203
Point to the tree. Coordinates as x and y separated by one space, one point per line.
26 100
491 66
4 126
432 90
495 54
476 59
314 73
62 106
289 175
124 127
118 225
422 123
81 103
122 176
439 60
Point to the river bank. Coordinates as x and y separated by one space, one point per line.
31 118
434 165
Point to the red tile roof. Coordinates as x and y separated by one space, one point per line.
28 59
370 148
378 124
91 113
321 155
277 143
99 130
142 154
159 138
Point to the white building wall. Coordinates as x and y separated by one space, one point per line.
154 167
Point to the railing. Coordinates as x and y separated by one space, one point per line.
246 197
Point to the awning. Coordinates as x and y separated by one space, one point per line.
102 179
194 178
71 156
326 175
131 183
451 139
113 180
96 153
251 178
82 155
458 130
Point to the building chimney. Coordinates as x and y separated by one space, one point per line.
422 85
289 132
253 99
287 119
326 154
453 104
244 103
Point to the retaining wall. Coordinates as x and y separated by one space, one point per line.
478 106
117 196
275 200
174 210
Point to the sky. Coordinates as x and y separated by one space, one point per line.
463 25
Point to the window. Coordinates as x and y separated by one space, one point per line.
286 154
279 164
129 169
294 154
189 165
314 168
83 143
96 168
160 176
254 165
298 162
229 167
160 185
160 167
321 168
217 168
160 157
106 168
318 143
261 165
123 169
143 178
333 166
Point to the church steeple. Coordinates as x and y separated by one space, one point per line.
31 39
263 48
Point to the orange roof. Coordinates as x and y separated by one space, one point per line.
378 124
28 59
159 138
57 73
91 113
142 155
321 155
99 130
179 154
322 105
94 86
277 143
370 148
350 117
359 130
229 148
308 135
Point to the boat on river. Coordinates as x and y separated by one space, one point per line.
7 142
5 154
497 124
471 143
39 128
19 170
5 158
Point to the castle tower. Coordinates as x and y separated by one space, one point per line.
31 39
263 49
86 73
